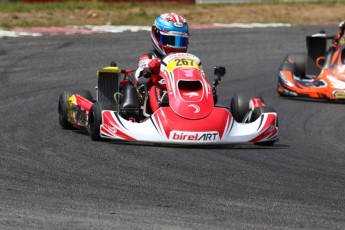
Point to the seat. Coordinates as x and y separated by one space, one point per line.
316 47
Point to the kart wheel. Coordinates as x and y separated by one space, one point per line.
256 114
240 105
95 119
63 110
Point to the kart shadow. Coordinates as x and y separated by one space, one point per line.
244 146
81 131
314 100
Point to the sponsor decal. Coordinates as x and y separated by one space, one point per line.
192 94
188 72
269 130
194 136
197 108
162 81
339 94
178 24
112 129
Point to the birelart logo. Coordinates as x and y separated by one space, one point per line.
194 136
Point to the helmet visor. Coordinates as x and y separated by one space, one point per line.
177 41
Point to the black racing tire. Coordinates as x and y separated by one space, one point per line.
95 119
63 110
256 114
239 106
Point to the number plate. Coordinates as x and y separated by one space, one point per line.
182 62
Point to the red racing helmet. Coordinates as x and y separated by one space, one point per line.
170 34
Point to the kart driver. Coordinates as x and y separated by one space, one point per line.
169 34
336 41
337 38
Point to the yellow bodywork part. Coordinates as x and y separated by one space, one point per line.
70 102
109 69
182 62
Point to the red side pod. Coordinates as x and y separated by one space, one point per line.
112 128
83 102
256 102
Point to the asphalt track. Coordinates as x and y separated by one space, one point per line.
51 178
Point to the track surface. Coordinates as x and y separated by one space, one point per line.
52 178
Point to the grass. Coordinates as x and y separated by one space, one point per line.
101 13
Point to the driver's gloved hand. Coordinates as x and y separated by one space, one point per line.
334 46
154 65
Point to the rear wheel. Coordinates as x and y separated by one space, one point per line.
95 119
240 105
258 111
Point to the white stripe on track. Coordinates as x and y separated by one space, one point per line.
252 25
7 33
117 29
88 29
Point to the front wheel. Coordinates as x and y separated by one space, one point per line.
95 119
240 105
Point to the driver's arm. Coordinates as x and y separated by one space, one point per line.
147 67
